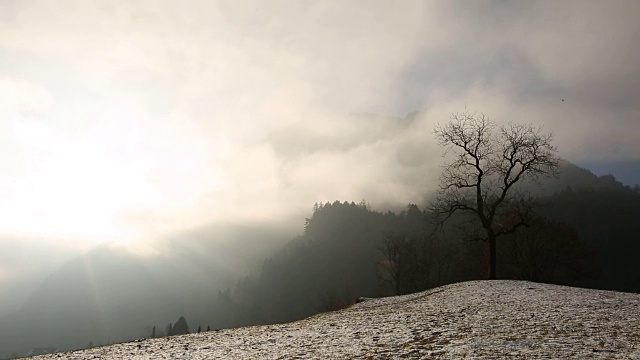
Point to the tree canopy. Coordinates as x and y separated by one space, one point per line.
486 163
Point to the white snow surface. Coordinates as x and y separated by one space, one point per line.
477 319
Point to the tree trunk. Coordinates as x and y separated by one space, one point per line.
398 278
492 258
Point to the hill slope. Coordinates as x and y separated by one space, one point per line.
478 318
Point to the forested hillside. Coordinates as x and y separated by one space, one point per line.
584 235
607 219
330 264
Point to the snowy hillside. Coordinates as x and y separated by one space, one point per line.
470 319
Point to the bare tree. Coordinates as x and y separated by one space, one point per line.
330 300
402 264
480 181
413 262
547 251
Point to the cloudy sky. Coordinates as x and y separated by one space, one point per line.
122 121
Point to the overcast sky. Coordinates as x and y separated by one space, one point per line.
127 120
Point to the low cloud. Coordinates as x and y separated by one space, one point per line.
141 119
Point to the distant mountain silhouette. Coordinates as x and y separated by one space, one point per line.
625 171
577 178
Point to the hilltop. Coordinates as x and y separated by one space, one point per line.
470 319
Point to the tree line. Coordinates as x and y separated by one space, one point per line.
487 221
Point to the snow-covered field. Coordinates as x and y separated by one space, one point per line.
478 319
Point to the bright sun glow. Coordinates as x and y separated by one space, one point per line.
124 177
75 186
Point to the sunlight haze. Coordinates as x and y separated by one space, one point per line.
126 122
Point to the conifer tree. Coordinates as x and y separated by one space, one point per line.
180 326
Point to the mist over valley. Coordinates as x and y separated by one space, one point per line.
213 165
